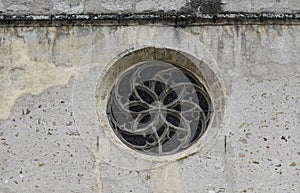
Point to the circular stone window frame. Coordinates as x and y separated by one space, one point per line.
113 71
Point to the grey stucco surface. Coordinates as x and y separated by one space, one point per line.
141 6
52 141
54 135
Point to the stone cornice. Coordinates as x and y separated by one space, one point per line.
171 19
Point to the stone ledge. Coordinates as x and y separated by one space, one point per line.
144 19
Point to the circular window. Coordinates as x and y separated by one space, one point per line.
158 108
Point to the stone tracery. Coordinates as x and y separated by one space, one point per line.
158 108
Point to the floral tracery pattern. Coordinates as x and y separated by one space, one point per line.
158 108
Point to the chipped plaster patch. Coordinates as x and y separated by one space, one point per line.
113 5
19 75
172 5
17 7
147 5
168 179
1 6
64 7
99 156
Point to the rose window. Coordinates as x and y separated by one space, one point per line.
158 108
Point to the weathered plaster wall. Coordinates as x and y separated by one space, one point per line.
137 6
51 139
